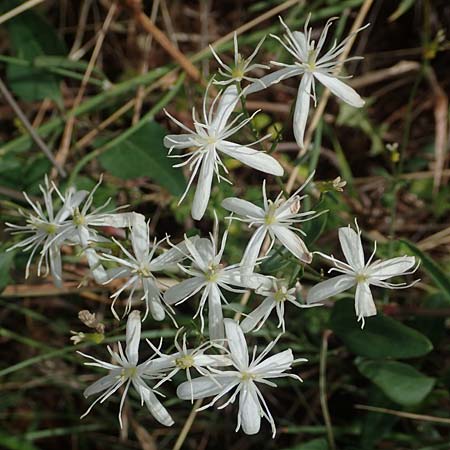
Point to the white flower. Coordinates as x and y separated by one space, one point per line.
209 276
356 272
139 268
241 66
276 218
187 359
275 298
244 380
208 140
47 229
125 371
312 66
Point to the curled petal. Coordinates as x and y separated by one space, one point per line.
292 242
340 89
329 288
302 108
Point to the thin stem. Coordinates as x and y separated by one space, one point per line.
323 389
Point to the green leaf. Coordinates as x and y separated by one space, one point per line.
400 382
6 260
403 7
433 270
315 444
32 36
382 336
141 154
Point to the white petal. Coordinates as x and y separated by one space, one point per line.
205 250
254 158
155 407
236 343
203 190
329 288
212 360
249 409
100 385
215 314
252 250
275 364
352 247
169 258
340 89
96 267
292 242
178 141
301 40
139 237
203 387
54 254
227 103
117 220
302 108
182 290
272 78
153 298
382 270
242 207
254 318
133 337
364 304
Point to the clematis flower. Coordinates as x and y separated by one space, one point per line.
47 229
208 140
210 277
275 218
139 268
275 298
245 378
188 359
125 371
241 67
356 272
313 66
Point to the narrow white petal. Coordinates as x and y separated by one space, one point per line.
273 78
364 304
54 254
153 299
170 257
249 409
254 158
97 269
203 190
203 387
178 141
212 360
340 89
182 290
100 385
277 363
352 247
155 407
133 337
292 242
236 343
139 237
329 288
302 108
215 314
302 43
255 317
252 250
226 106
382 270
242 207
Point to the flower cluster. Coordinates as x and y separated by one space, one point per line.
222 361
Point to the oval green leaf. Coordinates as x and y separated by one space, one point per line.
382 336
400 382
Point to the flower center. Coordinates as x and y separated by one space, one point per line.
144 271
128 372
270 218
280 295
49 228
238 71
311 63
212 275
247 376
185 362
78 219
361 278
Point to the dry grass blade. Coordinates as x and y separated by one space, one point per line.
19 10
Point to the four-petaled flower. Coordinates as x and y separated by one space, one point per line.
125 371
209 276
244 379
312 66
357 272
210 138
276 218
241 67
